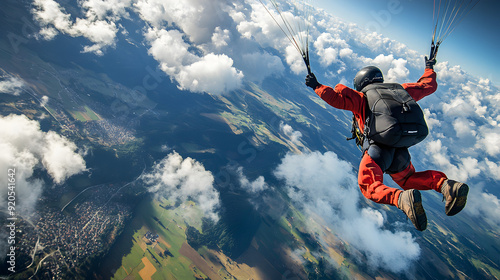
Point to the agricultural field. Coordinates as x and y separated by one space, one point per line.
158 258
85 116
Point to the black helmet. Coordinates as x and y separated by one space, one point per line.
366 76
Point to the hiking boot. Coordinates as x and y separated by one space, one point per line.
410 201
455 195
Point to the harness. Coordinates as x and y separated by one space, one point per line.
356 134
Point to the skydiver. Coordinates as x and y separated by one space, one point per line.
395 161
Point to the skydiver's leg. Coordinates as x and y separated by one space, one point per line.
454 193
371 176
403 173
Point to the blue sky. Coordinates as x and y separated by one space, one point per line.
473 45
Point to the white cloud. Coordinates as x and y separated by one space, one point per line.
59 157
398 71
458 107
11 85
254 187
490 142
184 50
196 18
211 73
462 169
99 25
464 128
450 74
330 48
295 60
25 147
394 70
44 100
220 37
326 185
290 133
106 9
181 180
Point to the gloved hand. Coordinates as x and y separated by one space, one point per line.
429 63
311 81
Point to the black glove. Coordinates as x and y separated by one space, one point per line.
429 63
311 81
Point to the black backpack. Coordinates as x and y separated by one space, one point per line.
394 118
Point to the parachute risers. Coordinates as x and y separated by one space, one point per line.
306 61
294 19
448 14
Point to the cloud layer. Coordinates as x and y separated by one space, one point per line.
182 180
25 147
325 185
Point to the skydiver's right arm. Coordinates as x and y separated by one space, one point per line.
342 97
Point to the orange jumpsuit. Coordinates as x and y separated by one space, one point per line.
370 174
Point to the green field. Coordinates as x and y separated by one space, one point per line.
172 237
85 116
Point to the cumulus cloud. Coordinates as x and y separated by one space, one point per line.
44 100
290 133
221 37
254 187
209 73
99 26
330 47
490 141
11 85
394 70
458 107
25 147
294 59
196 18
462 169
183 37
181 180
212 73
325 185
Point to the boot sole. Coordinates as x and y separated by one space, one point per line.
420 222
460 200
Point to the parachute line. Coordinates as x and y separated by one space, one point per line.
447 15
293 19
